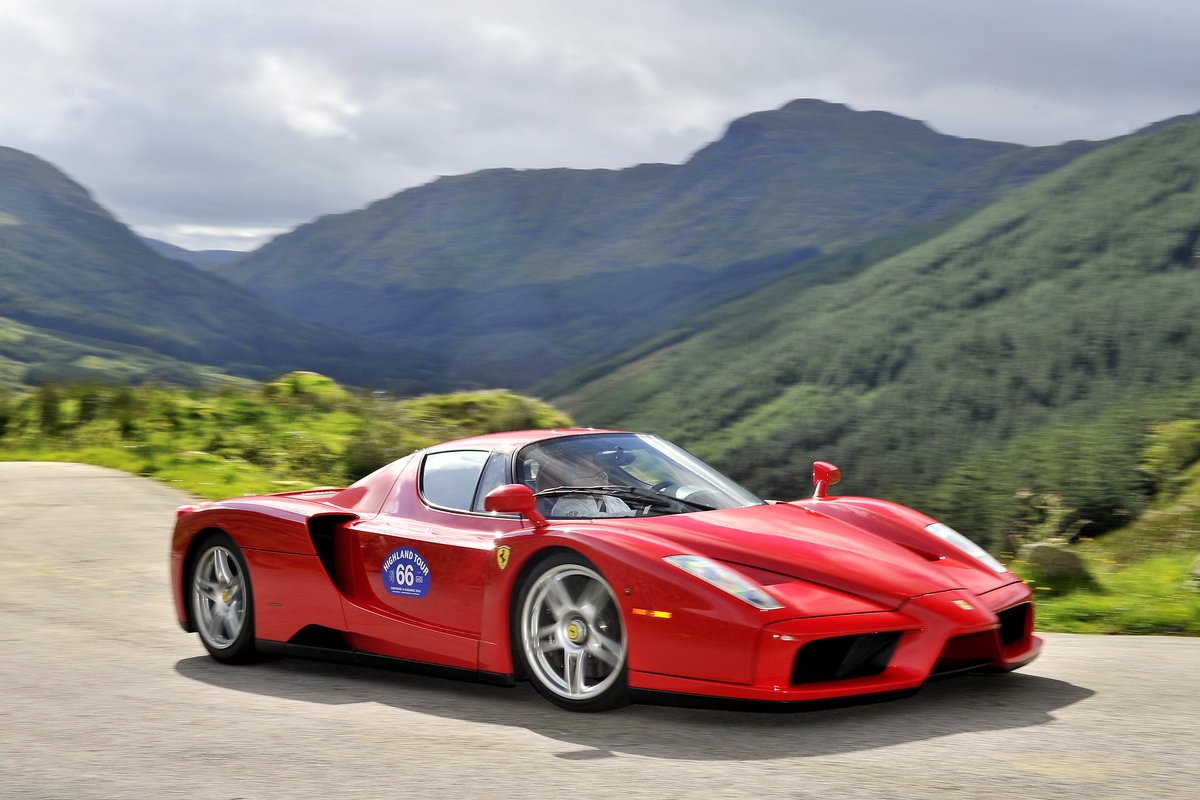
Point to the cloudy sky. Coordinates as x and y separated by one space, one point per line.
217 123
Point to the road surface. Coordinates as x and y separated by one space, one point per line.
103 696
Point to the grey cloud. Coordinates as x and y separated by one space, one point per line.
250 117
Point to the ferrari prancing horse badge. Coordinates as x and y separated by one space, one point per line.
502 557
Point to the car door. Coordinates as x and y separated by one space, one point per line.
423 562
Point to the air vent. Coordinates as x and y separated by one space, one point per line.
1014 624
844 657
321 529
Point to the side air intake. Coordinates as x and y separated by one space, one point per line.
322 530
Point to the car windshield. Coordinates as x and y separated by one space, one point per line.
623 475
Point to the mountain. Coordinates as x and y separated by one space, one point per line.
30 356
203 259
73 273
514 276
1005 370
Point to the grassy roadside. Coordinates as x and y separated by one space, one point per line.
203 475
1148 596
1140 571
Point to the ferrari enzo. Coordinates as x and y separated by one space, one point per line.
593 563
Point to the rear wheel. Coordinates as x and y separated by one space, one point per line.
221 600
569 636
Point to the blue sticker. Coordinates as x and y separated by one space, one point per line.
405 573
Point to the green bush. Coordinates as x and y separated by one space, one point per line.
1172 447
298 431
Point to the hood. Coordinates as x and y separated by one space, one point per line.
807 545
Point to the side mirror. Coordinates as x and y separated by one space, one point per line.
515 498
824 476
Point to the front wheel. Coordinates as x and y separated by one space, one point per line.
221 600
569 636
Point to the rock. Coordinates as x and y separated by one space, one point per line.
1053 561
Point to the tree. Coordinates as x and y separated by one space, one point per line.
49 413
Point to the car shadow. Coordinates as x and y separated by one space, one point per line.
943 708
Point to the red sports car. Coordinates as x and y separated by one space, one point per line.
596 562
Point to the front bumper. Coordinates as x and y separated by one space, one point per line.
830 658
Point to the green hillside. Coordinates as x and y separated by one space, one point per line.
1023 353
71 271
515 276
30 356
298 431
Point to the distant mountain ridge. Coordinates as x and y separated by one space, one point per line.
559 260
203 259
802 176
68 268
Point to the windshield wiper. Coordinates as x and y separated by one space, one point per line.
624 491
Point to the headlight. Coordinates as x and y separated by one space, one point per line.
725 579
951 536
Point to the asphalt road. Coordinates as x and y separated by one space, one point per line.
102 695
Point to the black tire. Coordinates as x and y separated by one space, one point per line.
568 635
221 600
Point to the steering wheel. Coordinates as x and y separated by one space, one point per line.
661 485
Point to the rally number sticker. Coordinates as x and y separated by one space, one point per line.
405 573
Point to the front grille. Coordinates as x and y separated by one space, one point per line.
844 657
1014 622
